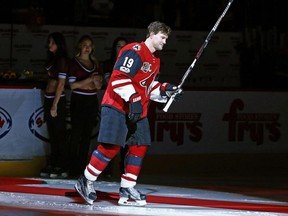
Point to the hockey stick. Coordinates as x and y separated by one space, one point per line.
171 99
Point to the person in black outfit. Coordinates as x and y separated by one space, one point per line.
55 105
85 80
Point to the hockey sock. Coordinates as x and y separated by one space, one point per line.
133 163
100 159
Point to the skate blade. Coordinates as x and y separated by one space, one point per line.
125 202
89 201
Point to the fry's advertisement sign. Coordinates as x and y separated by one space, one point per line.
221 122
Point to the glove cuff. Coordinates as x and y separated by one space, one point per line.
163 86
135 98
163 89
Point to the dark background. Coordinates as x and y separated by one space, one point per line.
262 24
181 14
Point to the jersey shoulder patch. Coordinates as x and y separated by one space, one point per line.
136 47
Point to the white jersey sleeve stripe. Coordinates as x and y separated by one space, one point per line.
117 82
125 91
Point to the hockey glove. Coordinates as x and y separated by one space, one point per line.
167 90
135 107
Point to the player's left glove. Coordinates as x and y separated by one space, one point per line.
167 90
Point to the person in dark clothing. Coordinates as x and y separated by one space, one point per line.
85 80
55 105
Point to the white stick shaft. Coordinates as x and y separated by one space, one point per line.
168 104
171 99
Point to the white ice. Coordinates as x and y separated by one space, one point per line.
104 207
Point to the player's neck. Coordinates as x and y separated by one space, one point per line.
149 45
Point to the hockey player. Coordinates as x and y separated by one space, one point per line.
124 114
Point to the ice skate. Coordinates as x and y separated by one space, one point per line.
86 189
131 196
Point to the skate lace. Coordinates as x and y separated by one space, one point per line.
135 193
90 187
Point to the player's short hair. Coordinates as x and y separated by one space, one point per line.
157 27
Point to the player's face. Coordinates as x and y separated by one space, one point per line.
86 47
159 40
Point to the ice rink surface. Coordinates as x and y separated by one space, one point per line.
41 197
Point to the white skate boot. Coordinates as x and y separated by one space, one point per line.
86 189
131 196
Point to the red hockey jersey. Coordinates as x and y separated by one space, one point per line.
135 70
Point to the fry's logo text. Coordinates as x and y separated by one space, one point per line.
177 124
256 125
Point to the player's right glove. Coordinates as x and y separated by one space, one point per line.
135 107
167 90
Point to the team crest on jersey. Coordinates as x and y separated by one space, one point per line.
137 47
147 83
146 67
